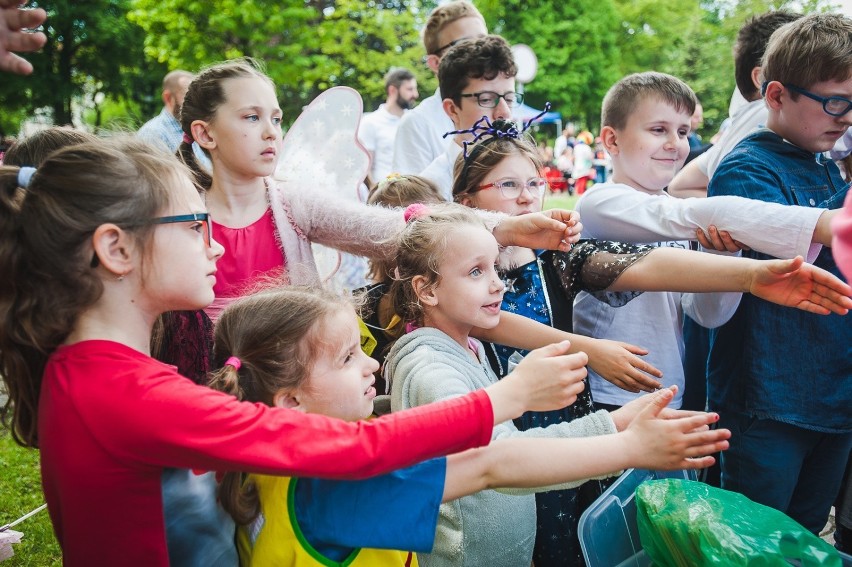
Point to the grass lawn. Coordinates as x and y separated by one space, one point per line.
20 492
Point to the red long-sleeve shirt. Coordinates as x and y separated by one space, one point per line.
111 418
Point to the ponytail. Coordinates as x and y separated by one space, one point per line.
239 497
264 344
186 154
46 252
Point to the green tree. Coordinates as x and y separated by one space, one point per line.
91 47
576 46
308 46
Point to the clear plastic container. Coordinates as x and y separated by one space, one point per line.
608 533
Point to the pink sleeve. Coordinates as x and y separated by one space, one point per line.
841 244
179 424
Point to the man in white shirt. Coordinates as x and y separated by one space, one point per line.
476 78
419 136
377 130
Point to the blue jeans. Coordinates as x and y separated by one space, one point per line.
795 470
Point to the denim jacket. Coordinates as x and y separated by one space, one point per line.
778 362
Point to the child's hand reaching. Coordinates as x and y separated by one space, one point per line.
658 438
547 379
620 364
796 284
554 229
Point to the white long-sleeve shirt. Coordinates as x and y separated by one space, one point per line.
615 211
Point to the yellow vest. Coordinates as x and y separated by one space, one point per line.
275 539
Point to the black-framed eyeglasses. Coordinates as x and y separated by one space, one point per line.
452 43
490 99
512 188
202 218
832 105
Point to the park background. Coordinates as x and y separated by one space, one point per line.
104 61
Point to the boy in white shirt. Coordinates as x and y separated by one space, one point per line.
645 122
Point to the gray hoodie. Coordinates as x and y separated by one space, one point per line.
490 527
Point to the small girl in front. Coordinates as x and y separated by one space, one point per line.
94 245
446 284
299 348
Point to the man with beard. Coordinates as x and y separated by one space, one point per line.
377 131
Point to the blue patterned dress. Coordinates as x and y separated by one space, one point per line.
544 291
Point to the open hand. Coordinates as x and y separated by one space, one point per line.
620 364
674 443
13 20
796 284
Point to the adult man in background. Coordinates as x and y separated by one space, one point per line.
164 129
377 130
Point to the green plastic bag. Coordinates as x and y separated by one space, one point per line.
685 523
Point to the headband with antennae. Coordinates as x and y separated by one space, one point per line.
499 129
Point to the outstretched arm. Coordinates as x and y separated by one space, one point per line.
553 229
13 20
619 363
651 441
786 282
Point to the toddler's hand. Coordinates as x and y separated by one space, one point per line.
674 443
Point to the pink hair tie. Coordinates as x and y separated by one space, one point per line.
187 139
415 210
233 361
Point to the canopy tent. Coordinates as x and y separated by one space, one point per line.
522 112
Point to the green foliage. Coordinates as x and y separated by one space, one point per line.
307 46
20 492
91 47
576 46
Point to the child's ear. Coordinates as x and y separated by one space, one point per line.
452 111
201 134
285 399
114 249
609 138
424 291
773 95
755 77
467 201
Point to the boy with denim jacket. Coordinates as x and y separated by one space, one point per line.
781 380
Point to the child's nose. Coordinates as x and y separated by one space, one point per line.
502 111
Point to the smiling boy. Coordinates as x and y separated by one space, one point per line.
782 379
646 119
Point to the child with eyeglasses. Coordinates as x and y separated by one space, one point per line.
759 359
446 284
500 173
476 77
96 243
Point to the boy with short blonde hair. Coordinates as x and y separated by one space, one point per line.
646 119
783 381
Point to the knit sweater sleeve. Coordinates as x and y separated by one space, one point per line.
351 226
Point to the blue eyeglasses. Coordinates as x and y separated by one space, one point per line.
202 218
833 105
